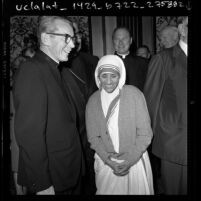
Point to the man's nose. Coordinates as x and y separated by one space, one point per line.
120 42
71 44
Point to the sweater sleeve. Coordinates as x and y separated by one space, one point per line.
93 130
144 132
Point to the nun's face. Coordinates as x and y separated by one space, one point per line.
109 81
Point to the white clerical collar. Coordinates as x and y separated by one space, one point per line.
184 47
123 55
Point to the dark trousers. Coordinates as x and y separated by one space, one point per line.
76 190
174 178
156 170
88 181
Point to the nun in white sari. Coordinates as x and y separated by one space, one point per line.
118 129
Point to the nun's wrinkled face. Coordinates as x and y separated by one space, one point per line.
109 81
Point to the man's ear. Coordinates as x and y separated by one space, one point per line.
181 29
45 39
131 40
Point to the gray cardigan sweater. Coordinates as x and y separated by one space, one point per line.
135 132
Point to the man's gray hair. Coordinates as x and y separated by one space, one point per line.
47 24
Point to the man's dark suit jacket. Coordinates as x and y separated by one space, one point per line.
136 70
166 95
79 100
84 65
45 127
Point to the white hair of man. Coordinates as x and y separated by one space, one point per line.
169 36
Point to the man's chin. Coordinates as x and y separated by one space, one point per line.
121 52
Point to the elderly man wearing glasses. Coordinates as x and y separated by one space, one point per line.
50 154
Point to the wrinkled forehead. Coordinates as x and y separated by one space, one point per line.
63 27
121 32
165 32
109 73
108 68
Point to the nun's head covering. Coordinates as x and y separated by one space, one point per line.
111 63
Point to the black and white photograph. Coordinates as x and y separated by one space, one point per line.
98 99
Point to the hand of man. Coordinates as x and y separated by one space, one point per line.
49 191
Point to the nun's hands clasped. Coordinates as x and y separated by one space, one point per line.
113 164
118 164
124 166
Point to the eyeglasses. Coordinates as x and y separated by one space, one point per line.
68 38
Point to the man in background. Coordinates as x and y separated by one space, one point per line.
143 51
136 67
166 95
82 64
169 36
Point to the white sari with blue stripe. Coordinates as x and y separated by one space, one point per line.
139 179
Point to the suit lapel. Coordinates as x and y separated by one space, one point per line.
76 94
52 75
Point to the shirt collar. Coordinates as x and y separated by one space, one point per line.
184 47
123 56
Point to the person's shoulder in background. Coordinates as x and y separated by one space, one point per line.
88 57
